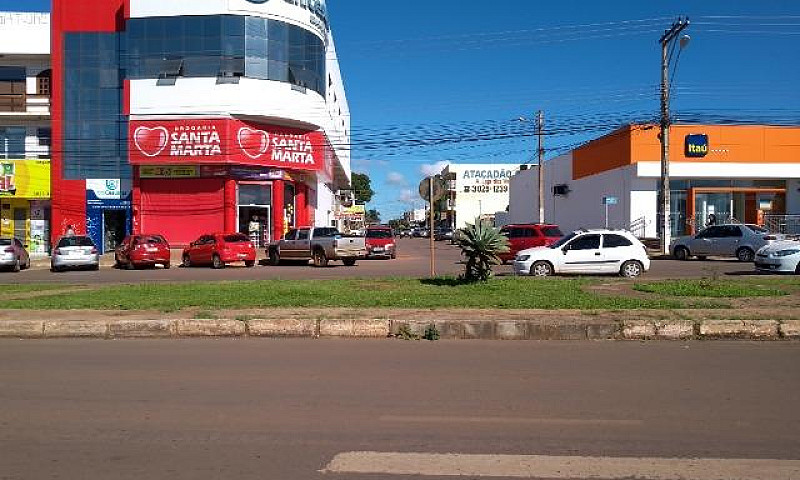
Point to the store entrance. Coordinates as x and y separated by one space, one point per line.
114 228
256 223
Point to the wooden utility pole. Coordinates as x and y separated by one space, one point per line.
540 150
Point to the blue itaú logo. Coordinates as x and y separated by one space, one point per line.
696 146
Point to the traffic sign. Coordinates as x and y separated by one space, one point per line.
610 200
439 188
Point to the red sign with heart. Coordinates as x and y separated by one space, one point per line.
227 141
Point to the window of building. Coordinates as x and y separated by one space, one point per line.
44 82
45 136
12 142
12 89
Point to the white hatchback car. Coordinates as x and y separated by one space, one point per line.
781 257
586 252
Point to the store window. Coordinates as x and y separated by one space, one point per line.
12 142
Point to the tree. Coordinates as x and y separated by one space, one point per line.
362 187
373 216
480 243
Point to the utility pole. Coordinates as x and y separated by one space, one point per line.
664 207
540 151
432 240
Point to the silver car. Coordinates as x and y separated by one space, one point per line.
13 255
735 240
75 252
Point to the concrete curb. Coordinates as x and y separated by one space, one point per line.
511 327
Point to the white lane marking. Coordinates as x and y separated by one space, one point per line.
478 420
555 467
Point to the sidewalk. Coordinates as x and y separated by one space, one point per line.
355 323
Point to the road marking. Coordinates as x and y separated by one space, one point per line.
555 467
512 420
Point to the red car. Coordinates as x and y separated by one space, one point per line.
381 242
143 250
220 249
523 236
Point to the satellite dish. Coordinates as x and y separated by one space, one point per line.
439 188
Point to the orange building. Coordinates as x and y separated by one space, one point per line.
748 174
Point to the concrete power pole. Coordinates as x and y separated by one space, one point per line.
664 207
540 151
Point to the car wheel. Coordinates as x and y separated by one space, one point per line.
217 262
631 269
681 253
95 267
320 259
167 266
274 257
130 265
745 255
250 263
394 255
16 267
27 265
187 262
349 261
541 269
797 269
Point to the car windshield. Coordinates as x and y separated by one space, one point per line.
552 232
75 242
757 228
563 241
379 233
239 238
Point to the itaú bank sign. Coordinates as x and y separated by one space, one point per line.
225 141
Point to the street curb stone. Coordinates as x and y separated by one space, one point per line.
790 329
752 329
679 330
210 328
22 328
75 329
638 330
142 328
356 328
282 328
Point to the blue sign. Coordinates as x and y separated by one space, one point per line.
610 200
696 145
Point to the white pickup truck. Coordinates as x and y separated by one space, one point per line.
320 245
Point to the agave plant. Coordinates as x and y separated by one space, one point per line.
480 243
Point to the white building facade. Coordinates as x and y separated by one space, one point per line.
477 191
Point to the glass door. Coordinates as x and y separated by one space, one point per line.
713 209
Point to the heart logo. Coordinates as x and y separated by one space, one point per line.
254 143
151 141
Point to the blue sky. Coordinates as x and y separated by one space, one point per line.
433 81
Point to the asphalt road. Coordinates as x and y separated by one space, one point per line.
413 261
284 409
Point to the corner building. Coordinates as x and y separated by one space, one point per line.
182 117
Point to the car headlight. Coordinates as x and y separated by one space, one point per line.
786 253
390 245
523 258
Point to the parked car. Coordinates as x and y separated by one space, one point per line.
779 257
734 240
75 251
320 244
381 242
528 235
586 252
13 255
220 249
143 250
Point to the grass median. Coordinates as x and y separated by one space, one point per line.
442 293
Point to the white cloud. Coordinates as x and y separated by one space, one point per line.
409 197
433 169
396 179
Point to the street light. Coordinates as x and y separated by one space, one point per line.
668 41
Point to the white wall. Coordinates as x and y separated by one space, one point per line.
523 196
471 205
325 206
722 170
24 33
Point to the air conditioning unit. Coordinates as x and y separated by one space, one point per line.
561 190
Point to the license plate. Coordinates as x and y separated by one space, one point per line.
151 249
242 255
378 249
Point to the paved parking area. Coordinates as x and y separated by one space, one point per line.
413 261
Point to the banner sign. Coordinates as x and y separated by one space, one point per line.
27 179
169 171
226 141
484 181
696 146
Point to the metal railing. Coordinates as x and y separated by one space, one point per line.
787 224
638 227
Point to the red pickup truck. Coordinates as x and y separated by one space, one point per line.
529 235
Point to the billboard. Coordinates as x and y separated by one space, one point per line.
27 179
226 141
